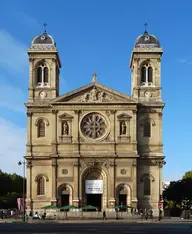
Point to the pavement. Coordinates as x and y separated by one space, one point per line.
92 228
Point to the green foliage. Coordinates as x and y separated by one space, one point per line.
11 189
188 174
178 190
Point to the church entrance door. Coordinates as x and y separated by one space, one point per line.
64 199
94 200
123 198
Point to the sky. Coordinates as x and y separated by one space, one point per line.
97 36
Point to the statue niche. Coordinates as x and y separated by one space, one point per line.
65 128
123 128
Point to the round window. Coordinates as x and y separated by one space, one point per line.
94 126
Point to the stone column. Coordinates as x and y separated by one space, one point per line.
134 130
29 134
160 130
54 132
31 78
54 182
111 184
29 198
134 183
76 133
76 195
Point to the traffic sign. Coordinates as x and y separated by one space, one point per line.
160 203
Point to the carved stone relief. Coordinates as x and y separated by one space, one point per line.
95 95
123 171
99 162
65 171
123 128
65 128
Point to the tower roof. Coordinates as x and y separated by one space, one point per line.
44 38
147 41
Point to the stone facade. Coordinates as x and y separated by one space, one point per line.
94 133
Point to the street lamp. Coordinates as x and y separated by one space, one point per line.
160 163
23 163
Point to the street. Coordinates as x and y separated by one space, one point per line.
72 228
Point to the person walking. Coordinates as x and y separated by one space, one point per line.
104 215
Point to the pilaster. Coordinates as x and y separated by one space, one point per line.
112 169
54 181
76 183
29 134
54 131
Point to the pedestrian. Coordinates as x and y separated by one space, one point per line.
104 215
160 214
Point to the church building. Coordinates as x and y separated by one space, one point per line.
94 145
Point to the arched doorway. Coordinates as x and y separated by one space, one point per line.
94 190
123 195
65 195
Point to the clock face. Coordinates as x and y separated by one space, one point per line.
148 94
147 38
42 94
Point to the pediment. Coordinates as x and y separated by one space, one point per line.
124 116
93 93
65 116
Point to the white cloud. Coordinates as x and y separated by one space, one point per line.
12 98
12 148
182 60
13 53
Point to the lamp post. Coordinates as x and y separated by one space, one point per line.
23 163
160 164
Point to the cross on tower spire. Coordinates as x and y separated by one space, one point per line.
145 24
94 80
45 25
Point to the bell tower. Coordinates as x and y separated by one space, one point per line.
145 65
44 68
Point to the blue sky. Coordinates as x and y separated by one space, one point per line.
97 36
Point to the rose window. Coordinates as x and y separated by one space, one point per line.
93 126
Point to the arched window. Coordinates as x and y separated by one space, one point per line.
146 74
143 74
147 129
147 186
41 128
42 75
39 75
45 75
41 186
150 74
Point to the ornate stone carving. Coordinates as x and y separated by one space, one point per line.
41 47
108 113
65 116
123 128
28 163
77 112
93 126
65 128
29 113
160 162
95 95
54 111
123 171
65 171
94 162
160 114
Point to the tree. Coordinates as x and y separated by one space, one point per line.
178 190
188 174
11 189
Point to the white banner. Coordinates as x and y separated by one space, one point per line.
94 186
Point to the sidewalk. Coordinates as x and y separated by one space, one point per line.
171 220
